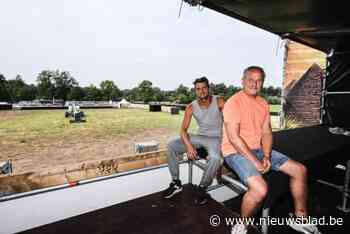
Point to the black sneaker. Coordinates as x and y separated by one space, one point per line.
174 188
201 196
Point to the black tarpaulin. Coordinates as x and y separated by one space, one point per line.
324 25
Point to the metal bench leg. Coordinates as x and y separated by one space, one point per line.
264 224
190 171
345 189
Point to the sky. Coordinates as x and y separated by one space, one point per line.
131 41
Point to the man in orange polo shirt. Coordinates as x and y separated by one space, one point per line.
247 149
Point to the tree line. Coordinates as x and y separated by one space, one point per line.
62 85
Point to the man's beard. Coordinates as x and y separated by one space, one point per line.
204 98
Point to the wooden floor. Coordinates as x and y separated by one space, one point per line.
147 215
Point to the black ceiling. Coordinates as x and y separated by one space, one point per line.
322 24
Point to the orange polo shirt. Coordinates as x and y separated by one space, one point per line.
250 113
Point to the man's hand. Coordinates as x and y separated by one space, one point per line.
259 166
191 153
266 162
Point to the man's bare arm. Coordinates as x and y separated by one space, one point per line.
232 131
191 151
221 103
267 138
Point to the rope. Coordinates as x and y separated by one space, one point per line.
182 2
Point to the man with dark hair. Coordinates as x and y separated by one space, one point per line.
207 110
202 79
247 149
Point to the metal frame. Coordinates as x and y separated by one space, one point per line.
344 189
323 95
344 207
323 88
333 93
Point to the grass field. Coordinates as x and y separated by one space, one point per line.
275 108
27 125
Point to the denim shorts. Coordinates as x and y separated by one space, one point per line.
245 168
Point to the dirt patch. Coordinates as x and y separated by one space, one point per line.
4 115
48 154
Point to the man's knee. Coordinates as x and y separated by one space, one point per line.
301 170
215 159
172 145
257 189
294 169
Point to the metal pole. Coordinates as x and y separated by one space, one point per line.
346 189
265 216
190 171
338 187
345 92
235 183
226 178
282 120
339 32
323 88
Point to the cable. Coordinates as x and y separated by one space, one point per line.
182 1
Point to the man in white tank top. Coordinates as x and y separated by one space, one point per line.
207 110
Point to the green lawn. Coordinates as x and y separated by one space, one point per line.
24 126
275 108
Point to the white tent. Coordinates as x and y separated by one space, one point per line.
123 103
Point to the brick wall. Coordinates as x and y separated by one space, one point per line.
302 83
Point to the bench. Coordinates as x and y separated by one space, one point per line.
278 184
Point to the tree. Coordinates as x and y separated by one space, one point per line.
4 94
63 83
29 92
182 90
231 90
158 95
16 88
45 84
169 96
55 84
272 91
145 91
109 90
77 93
183 94
218 89
127 94
93 93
